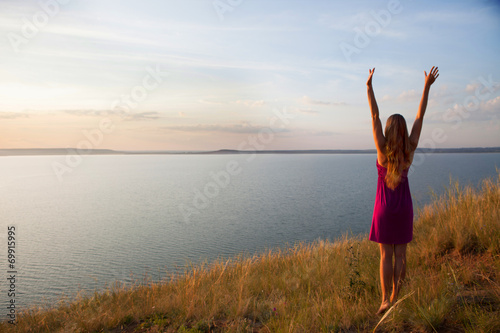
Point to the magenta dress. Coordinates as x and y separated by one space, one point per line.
392 221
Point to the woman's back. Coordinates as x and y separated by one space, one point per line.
392 221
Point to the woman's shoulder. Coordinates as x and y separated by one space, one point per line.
382 161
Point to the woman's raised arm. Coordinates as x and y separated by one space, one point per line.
419 120
378 135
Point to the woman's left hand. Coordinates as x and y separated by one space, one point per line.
369 82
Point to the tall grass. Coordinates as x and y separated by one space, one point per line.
452 283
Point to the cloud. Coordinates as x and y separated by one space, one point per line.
482 86
231 128
408 95
244 102
471 87
492 105
139 116
308 101
251 103
360 21
405 96
473 112
13 115
320 133
205 101
92 113
385 98
308 111
494 123
126 116
451 17
442 92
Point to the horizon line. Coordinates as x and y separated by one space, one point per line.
76 151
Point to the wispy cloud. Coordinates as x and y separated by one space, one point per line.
453 17
319 133
251 103
405 96
408 95
308 111
92 113
125 116
309 101
140 116
230 128
13 115
211 102
240 102
349 23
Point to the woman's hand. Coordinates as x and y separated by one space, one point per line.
429 79
417 125
369 82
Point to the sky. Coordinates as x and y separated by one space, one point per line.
244 74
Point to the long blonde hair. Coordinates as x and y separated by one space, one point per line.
397 149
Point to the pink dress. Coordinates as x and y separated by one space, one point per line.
392 221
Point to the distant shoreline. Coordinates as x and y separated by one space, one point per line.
73 151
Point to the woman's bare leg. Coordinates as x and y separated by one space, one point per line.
386 274
399 270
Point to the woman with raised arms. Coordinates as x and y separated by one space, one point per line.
392 222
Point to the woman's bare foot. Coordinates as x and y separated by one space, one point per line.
384 307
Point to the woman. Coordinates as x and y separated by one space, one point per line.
392 223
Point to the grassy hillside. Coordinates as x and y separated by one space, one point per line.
453 284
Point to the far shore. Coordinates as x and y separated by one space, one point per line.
73 151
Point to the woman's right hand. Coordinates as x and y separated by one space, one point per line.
369 82
433 75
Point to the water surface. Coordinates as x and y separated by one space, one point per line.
118 217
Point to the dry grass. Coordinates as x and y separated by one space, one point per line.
453 282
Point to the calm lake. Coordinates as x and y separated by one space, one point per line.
121 217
